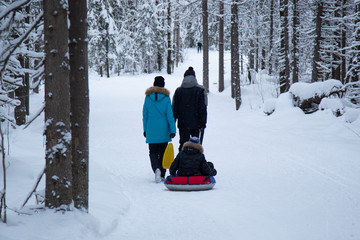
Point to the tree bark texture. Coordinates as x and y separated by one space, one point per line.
284 74
169 62
295 39
58 192
235 70
79 101
205 45
221 46
316 56
271 41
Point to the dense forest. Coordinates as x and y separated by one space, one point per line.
293 40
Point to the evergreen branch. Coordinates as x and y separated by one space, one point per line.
13 7
19 41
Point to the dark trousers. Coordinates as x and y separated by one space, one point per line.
156 153
185 135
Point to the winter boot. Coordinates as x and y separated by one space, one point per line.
157 175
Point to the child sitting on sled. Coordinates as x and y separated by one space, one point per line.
191 161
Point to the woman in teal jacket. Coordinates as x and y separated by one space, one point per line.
158 124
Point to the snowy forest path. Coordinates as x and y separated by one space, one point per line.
276 177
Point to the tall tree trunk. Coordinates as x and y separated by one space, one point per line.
169 62
20 93
284 74
27 66
295 39
338 25
79 102
107 64
257 50
58 192
252 54
316 56
343 44
221 46
271 44
177 38
354 71
159 59
3 214
235 71
205 45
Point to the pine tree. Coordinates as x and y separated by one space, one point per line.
58 191
318 37
353 73
235 71
205 45
295 41
284 74
79 101
221 46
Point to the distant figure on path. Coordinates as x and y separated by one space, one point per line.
199 46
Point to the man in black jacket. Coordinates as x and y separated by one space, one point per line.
190 107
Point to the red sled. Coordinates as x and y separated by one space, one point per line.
189 183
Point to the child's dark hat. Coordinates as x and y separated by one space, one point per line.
194 140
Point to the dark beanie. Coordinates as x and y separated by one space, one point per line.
159 81
190 71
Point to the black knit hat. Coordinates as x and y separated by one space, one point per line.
190 71
159 81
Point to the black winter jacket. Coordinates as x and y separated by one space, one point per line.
189 104
191 162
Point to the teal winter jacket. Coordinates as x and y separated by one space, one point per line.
158 118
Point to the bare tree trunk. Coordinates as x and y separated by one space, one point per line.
353 74
169 62
271 50
58 192
169 57
284 47
336 56
316 55
3 191
257 50
205 45
20 93
221 46
252 54
295 39
159 49
107 64
177 38
27 66
235 71
343 44
79 102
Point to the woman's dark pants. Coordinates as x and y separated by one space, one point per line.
156 153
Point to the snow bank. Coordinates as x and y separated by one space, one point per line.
304 90
333 104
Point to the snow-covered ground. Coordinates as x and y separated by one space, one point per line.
287 176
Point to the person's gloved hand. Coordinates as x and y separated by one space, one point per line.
144 134
172 135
